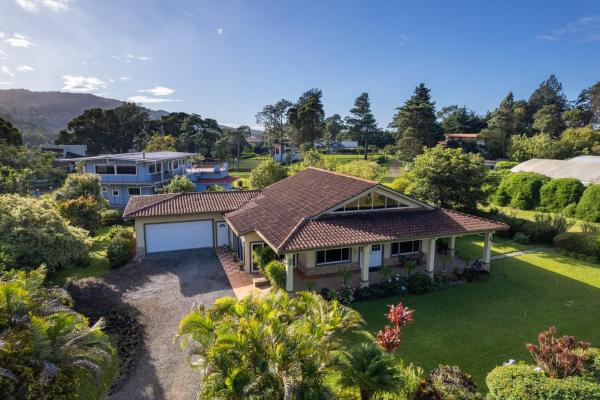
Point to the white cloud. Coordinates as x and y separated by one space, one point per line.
78 83
5 70
159 91
125 78
1 35
546 37
18 40
149 100
139 58
219 31
36 5
5 83
25 68
583 29
3 55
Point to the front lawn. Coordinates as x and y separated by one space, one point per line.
483 324
98 263
471 247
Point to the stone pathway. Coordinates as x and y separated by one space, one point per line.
240 281
516 253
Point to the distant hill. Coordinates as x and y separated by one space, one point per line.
41 115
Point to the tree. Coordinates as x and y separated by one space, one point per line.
32 232
48 350
370 369
415 123
548 93
448 178
266 173
581 140
306 118
273 118
589 102
361 124
199 135
9 134
523 148
548 119
503 123
80 185
268 347
363 169
160 142
457 119
80 200
333 127
179 184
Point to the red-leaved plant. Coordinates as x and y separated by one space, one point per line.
559 357
390 337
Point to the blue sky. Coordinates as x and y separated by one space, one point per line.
226 59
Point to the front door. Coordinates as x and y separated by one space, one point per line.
375 255
222 234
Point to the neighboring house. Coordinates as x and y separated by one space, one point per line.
211 174
463 137
292 154
334 147
66 150
584 168
320 221
255 141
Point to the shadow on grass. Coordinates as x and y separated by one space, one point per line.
482 324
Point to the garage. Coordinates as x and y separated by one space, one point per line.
178 236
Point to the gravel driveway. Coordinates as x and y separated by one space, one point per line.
163 288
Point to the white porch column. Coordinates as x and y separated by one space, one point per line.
289 272
452 246
487 247
364 266
431 257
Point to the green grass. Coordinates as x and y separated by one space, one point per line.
247 163
480 325
471 247
530 215
98 263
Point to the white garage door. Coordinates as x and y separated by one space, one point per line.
178 236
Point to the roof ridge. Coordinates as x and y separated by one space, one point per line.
292 233
155 203
344 175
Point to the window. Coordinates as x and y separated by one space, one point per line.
175 164
134 191
376 247
155 168
406 247
372 201
378 200
391 203
115 193
333 256
365 202
126 170
105 169
103 189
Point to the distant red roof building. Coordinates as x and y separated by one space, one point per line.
461 135
216 181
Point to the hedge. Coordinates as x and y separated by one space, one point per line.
581 243
556 194
275 271
588 208
520 190
516 382
121 247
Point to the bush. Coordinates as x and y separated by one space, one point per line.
522 238
84 212
588 208
80 185
556 194
582 243
570 210
111 217
33 233
448 383
121 247
515 382
520 190
419 283
503 165
262 256
557 221
275 271
179 184
363 169
538 232
558 356
267 173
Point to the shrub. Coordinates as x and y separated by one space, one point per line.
556 194
275 271
559 357
569 210
262 256
520 190
111 217
556 221
121 247
448 383
83 212
266 173
522 238
390 337
538 232
588 208
419 283
179 184
503 165
33 233
515 382
581 243
80 185
363 169
400 184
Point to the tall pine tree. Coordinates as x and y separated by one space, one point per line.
361 124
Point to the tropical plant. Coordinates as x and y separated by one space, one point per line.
448 383
389 338
263 256
370 369
276 273
269 347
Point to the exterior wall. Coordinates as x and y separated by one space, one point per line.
307 263
247 241
121 200
141 221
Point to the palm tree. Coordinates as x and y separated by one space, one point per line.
370 369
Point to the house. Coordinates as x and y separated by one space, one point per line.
584 168
319 221
210 174
291 155
66 150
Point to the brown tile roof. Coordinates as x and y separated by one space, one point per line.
279 208
186 203
333 230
